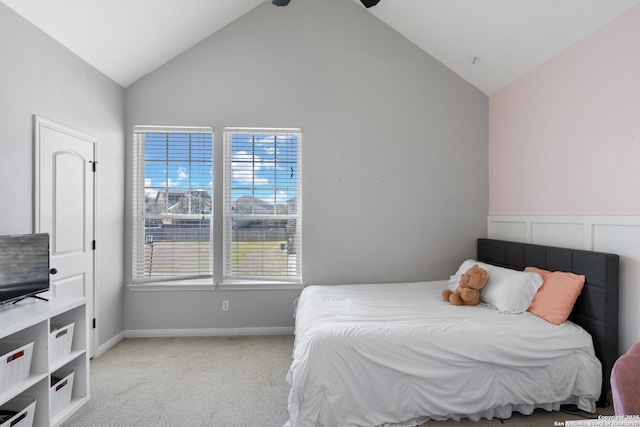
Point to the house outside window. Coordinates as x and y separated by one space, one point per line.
173 203
262 204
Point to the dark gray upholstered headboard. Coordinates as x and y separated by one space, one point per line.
597 307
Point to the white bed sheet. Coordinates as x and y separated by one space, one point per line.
397 355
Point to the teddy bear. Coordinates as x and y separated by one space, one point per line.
469 286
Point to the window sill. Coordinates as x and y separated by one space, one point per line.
207 285
174 285
252 285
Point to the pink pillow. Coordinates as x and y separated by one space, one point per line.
555 299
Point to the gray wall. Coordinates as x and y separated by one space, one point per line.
395 147
39 76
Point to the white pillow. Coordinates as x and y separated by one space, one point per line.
508 291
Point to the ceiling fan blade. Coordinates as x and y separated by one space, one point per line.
366 3
369 3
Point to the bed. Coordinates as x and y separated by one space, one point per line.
396 354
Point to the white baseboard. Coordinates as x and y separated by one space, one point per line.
102 349
206 332
175 333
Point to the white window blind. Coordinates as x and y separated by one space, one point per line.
262 204
172 203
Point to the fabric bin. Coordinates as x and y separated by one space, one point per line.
60 340
60 392
18 412
15 363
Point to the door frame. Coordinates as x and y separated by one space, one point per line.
38 123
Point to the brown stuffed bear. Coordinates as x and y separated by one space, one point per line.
468 291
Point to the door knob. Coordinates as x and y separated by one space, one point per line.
53 271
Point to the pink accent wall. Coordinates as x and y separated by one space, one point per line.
565 138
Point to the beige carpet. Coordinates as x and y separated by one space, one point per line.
213 382
196 382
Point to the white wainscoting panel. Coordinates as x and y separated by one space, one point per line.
518 231
613 234
566 235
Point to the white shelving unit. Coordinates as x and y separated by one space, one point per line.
31 320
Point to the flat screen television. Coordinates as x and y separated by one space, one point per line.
24 266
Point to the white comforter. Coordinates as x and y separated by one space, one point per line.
396 354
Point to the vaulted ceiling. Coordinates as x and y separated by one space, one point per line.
489 43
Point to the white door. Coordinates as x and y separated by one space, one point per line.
64 207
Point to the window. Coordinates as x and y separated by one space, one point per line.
262 204
172 203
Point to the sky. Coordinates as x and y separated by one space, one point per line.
264 167
261 165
